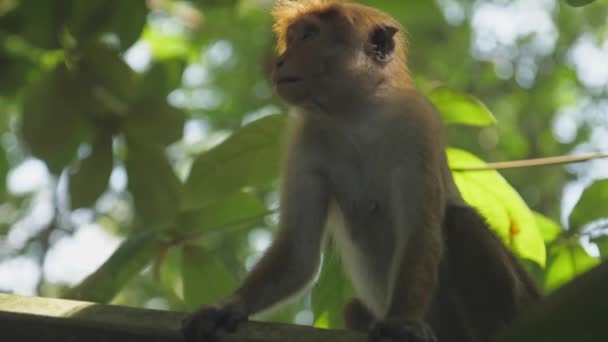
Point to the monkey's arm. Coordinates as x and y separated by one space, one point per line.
293 258
286 267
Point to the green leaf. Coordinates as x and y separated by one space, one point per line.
459 108
579 3
592 205
567 260
108 78
127 261
602 245
231 212
155 187
14 71
548 228
330 292
162 78
52 123
40 22
89 18
168 271
4 167
165 45
92 177
126 19
500 204
250 157
154 122
205 279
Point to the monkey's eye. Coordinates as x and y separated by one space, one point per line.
310 32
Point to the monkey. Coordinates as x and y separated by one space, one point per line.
366 167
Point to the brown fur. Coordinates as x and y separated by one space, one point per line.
482 285
363 18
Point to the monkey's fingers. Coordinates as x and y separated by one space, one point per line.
231 321
203 325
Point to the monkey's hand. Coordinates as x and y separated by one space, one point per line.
401 331
205 324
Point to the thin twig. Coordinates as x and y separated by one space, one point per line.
516 164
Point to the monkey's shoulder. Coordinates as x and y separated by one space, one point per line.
418 109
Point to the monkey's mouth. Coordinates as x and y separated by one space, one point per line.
289 80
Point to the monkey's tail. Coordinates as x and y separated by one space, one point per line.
493 283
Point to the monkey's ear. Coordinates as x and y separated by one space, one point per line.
382 43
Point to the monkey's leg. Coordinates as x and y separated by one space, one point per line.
413 294
418 227
357 316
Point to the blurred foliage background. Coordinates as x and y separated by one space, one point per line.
140 141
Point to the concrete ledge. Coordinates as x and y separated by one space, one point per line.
576 312
24 319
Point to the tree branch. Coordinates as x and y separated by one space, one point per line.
32 319
574 312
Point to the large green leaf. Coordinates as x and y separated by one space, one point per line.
127 261
162 78
110 81
155 187
128 21
548 228
168 272
91 178
91 18
579 3
500 204
331 291
14 71
230 212
459 108
154 122
602 245
592 206
39 22
250 157
53 125
167 46
205 279
567 260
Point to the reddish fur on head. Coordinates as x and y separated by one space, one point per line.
361 17
285 12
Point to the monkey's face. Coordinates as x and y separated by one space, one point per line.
328 63
304 66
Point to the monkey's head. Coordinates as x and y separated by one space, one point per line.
335 54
